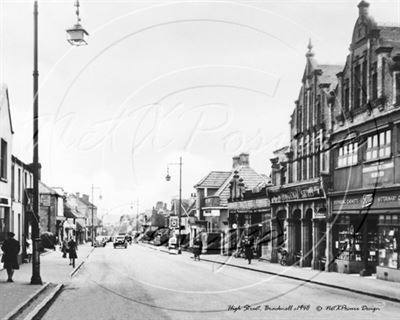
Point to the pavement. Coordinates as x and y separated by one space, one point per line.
370 286
53 269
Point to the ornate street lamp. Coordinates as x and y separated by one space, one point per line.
36 278
76 34
168 178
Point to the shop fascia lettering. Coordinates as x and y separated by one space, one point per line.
297 193
367 199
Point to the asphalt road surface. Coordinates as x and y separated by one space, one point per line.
142 283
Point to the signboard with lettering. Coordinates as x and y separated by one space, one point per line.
211 213
381 200
250 204
377 174
297 193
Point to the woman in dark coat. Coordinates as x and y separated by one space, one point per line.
11 249
248 249
72 248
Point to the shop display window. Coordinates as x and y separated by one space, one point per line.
389 229
350 244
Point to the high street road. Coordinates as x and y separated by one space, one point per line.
142 283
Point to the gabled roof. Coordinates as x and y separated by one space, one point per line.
187 207
215 179
44 189
5 102
251 179
329 73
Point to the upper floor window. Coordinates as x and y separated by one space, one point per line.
357 85
364 82
379 145
374 81
396 87
348 155
3 160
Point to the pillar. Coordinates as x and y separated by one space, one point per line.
291 237
274 240
330 259
306 247
315 244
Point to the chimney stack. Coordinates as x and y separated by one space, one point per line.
85 197
236 162
363 8
244 159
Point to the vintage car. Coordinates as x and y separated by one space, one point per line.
120 241
100 241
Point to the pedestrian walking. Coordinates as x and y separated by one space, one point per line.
11 249
72 248
197 247
29 245
64 248
248 249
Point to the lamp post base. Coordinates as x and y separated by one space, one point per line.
36 279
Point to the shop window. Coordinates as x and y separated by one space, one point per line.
389 238
348 155
379 146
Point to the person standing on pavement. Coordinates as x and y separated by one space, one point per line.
248 249
72 252
29 249
64 248
11 249
197 247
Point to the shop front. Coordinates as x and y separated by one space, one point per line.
298 225
366 233
249 218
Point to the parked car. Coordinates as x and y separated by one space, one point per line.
100 241
120 241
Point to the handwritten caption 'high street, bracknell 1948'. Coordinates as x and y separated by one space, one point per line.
301 307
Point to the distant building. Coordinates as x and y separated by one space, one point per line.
213 192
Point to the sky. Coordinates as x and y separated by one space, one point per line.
159 80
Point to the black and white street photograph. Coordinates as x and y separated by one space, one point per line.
199 159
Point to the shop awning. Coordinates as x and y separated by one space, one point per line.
69 225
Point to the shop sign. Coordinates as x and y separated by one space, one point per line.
173 222
211 213
377 174
297 194
253 204
370 200
320 215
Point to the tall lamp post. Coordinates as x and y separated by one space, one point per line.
137 213
79 37
168 178
92 206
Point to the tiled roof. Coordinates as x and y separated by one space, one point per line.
390 35
329 73
214 179
250 178
44 189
